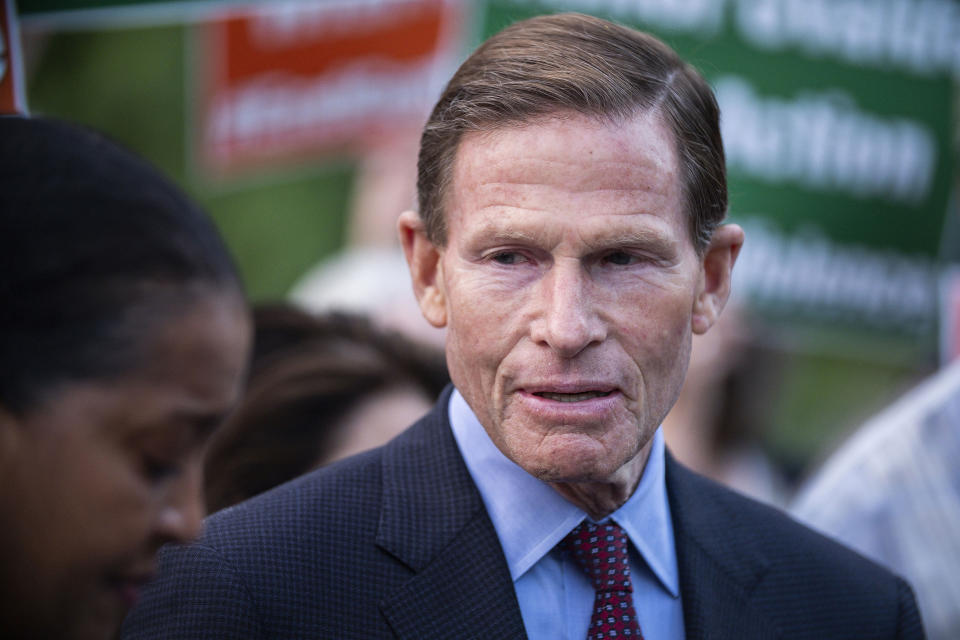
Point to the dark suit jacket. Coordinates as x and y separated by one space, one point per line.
396 543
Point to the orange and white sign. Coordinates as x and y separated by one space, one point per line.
300 80
12 96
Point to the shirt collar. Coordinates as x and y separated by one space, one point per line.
530 517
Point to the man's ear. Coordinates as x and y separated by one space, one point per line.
716 272
426 269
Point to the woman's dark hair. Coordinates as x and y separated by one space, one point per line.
95 246
307 373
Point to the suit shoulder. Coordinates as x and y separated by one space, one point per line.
804 583
348 489
197 595
769 530
262 564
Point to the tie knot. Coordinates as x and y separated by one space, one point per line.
601 551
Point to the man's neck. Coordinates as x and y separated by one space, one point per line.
600 499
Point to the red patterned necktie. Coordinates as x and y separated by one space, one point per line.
601 551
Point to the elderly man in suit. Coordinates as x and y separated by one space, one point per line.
571 187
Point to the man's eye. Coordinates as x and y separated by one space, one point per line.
508 257
619 258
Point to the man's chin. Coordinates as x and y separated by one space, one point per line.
586 470
583 460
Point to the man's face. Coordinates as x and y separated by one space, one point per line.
568 285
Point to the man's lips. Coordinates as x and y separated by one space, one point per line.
579 396
568 391
576 403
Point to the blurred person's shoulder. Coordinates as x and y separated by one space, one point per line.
901 453
892 492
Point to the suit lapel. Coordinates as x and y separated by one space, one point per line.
433 520
718 567
458 595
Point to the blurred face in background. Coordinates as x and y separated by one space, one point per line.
375 420
98 474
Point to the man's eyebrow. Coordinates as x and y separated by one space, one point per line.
645 239
495 233
648 239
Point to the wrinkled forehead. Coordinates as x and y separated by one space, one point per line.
567 161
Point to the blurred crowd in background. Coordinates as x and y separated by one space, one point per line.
296 125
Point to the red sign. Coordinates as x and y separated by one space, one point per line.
12 96
299 80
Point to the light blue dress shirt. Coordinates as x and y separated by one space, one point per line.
530 517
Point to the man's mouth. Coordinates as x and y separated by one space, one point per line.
572 397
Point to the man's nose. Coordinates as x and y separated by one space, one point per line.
568 320
181 514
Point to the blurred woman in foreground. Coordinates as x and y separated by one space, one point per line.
123 341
